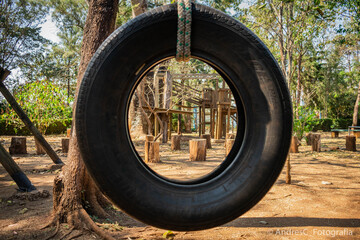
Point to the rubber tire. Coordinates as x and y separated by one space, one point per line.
261 95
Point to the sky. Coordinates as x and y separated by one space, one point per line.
49 30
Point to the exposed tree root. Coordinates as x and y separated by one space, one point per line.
77 220
67 234
54 233
70 208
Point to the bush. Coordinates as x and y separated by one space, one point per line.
55 127
326 124
46 105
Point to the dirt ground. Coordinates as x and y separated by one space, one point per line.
323 201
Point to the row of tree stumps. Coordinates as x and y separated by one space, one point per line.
197 147
18 146
314 140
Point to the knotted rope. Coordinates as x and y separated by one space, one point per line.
183 52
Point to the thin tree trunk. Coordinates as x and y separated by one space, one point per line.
74 185
298 88
356 108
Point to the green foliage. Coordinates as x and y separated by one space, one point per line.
19 30
44 103
304 123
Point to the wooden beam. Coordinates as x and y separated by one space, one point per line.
196 76
19 177
4 73
163 110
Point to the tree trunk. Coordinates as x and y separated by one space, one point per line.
138 7
74 186
298 88
356 108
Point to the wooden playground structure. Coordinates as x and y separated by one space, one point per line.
208 109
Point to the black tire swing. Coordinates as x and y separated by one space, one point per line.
264 131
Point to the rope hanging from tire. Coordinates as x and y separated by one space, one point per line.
183 51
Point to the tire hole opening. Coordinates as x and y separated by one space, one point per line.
182 119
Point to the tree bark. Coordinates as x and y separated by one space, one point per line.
197 149
294 147
356 108
316 142
73 187
18 145
351 143
175 142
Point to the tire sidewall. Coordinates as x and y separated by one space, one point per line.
103 135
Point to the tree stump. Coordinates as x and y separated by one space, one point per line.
148 139
228 145
316 142
18 145
294 147
175 142
334 134
65 145
68 132
229 136
154 152
38 148
197 149
309 139
208 140
351 143
357 134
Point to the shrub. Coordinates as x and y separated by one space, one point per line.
45 104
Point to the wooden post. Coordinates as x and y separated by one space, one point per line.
179 124
22 115
334 134
316 142
288 170
65 145
351 143
219 123
15 172
18 145
212 131
156 125
228 119
148 139
170 124
38 148
208 140
197 149
228 145
203 119
175 142
294 147
154 152
309 139
165 124
199 125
